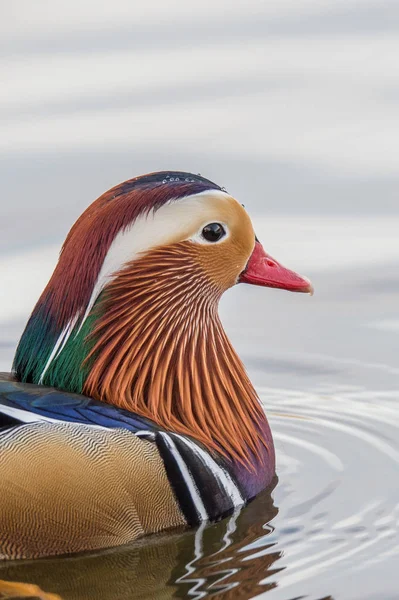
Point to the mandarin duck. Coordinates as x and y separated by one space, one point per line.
128 411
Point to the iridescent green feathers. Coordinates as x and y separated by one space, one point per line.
68 369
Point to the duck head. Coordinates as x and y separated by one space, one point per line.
130 317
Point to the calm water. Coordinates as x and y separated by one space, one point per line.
292 105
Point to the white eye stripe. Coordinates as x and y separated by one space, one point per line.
149 231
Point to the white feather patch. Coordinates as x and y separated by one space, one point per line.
190 483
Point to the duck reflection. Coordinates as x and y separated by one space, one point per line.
221 555
214 559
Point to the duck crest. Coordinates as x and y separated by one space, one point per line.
144 334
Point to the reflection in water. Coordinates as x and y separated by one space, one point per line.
218 565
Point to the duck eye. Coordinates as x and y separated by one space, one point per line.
213 232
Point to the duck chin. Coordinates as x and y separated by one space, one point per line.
160 350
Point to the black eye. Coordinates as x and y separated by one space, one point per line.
213 232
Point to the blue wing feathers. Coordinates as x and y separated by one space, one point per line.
62 406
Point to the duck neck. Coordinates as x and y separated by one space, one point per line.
160 350
154 344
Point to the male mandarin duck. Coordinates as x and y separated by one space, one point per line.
128 411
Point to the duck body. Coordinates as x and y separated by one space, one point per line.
128 411
116 476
